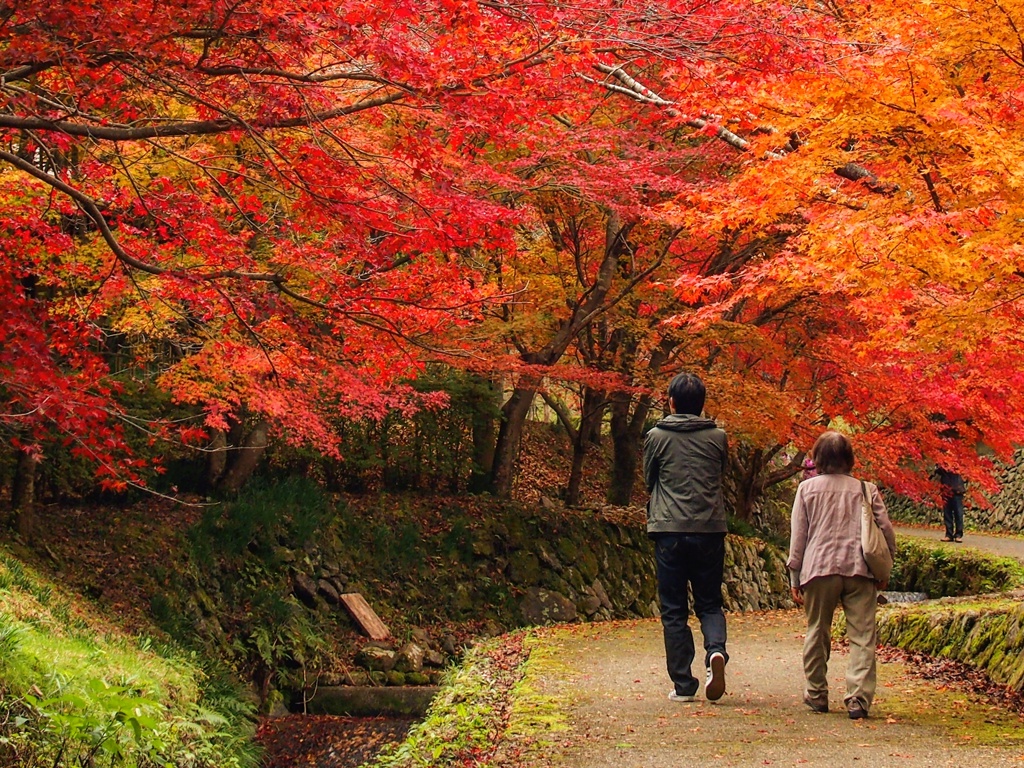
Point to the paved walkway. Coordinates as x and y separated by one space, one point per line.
1008 546
613 686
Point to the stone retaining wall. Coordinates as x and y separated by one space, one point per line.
756 578
988 634
582 567
1007 510
431 569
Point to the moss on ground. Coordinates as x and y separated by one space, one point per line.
960 717
468 720
535 716
493 709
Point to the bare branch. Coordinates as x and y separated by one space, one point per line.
643 93
640 92
186 127
854 172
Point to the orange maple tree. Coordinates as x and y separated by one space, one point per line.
876 280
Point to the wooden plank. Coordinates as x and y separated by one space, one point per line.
364 616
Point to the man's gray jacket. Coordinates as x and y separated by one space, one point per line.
684 460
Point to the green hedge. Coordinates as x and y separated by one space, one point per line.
942 570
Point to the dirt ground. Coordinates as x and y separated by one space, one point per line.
620 715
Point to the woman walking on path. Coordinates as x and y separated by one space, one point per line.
826 565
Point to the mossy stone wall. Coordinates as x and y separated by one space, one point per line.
555 565
941 570
988 634
268 600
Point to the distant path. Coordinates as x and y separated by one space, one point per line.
613 683
1007 546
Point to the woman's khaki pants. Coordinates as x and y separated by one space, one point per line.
858 596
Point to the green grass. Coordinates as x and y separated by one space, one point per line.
471 715
75 691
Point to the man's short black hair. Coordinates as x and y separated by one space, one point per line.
688 393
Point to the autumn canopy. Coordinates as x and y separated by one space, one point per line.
281 215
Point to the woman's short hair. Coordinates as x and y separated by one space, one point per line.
833 454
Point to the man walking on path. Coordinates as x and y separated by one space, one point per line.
684 460
953 489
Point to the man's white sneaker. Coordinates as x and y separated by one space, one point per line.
673 696
714 685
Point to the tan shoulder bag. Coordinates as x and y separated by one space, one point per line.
872 540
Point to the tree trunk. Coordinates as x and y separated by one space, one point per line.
590 424
23 495
746 465
484 428
514 412
627 432
247 458
751 472
217 458
510 438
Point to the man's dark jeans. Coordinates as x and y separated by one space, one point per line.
696 559
953 515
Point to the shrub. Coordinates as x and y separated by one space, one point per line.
942 571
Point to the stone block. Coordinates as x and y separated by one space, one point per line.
409 658
590 605
375 658
371 701
542 606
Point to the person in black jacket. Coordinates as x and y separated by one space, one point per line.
953 490
684 459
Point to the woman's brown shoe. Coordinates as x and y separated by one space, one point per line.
816 705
